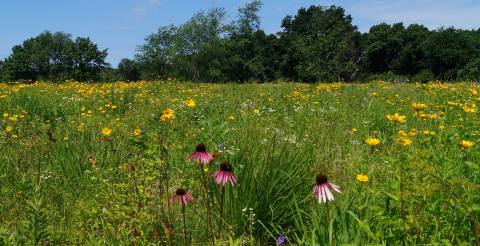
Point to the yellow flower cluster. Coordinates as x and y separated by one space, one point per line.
397 118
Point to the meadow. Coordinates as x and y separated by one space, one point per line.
112 164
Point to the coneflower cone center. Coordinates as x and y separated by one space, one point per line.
180 192
226 167
201 148
321 179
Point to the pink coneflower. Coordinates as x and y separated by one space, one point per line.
181 196
322 190
225 174
222 177
201 155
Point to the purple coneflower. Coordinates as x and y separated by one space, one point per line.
322 190
225 174
201 155
182 196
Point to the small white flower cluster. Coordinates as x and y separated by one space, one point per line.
229 149
250 215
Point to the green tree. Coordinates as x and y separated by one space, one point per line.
323 44
129 70
87 60
248 19
471 71
202 32
382 46
449 50
182 51
1 70
411 59
251 54
55 57
155 57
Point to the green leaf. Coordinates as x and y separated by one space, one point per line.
472 165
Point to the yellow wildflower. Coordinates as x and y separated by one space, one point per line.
405 141
190 103
362 178
167 114
106 131
426 132
465 144
9 129
373 141
137 132
419 106
469 110
397 118
402 133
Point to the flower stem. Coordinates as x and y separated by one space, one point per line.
184 224
209 212
221 210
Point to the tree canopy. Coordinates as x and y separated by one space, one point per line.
54 56
318 43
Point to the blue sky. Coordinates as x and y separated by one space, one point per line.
121 25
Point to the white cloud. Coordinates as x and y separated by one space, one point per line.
140 10
433 14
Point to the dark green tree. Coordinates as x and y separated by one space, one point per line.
449 50
180 51
156 56
87 60
323 45
382 46
411 59
1 70
248 19
471 71
250 53
55 57
128 69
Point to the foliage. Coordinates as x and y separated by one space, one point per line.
318 43
324 44
96 163
129 70
55 57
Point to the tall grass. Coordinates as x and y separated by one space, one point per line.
64 182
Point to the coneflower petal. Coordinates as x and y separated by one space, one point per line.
324 195
225 179
317 194
233 179
335 187
329 194
218 177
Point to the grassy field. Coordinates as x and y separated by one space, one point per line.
98 164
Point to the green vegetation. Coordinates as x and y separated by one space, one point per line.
97 164
317 44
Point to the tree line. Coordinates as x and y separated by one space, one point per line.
318 43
